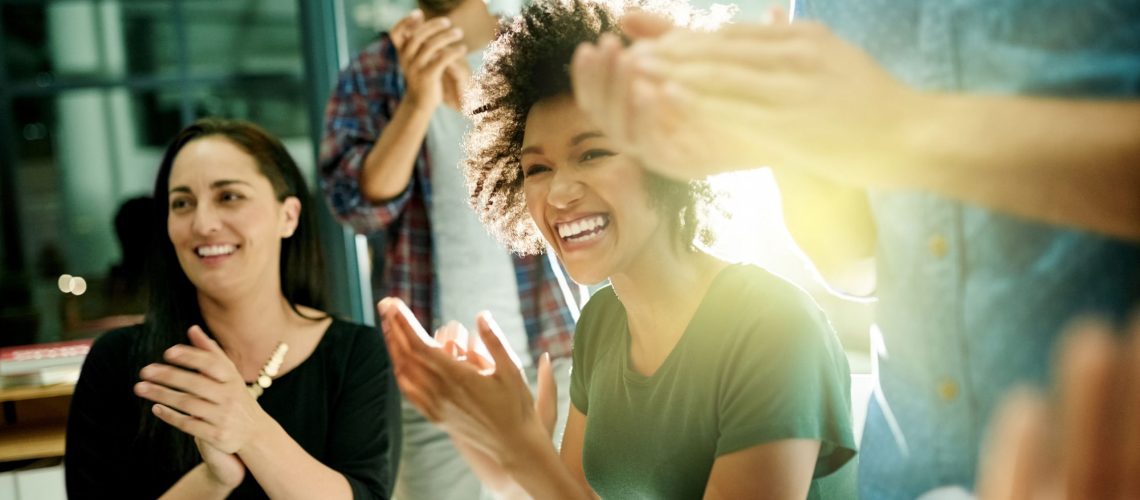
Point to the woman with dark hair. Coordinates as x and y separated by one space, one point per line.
237 384
692 377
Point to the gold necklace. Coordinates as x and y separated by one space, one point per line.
270 370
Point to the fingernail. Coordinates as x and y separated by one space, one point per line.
446 21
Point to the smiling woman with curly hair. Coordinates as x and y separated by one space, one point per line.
528 66
696 377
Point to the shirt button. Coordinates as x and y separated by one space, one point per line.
937 244
947 390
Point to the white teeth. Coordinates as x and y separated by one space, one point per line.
575 230
215 250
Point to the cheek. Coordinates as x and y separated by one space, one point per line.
535 198
174 229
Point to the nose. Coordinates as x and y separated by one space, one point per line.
206 219
565 189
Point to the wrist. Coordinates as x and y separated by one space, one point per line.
217 486
418 103
520 453
260 434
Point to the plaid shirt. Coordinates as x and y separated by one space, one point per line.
362 104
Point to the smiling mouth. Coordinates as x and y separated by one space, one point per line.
206 251
584 229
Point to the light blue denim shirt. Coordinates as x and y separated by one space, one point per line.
972 302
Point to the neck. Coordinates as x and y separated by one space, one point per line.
661 291
248 326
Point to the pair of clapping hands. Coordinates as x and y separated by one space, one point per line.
692 103
471 385
199 391
431 56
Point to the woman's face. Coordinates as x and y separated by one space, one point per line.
588 199
225 222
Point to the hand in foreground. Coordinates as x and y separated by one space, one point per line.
482 401
200 392
428 51
1085 442
690 104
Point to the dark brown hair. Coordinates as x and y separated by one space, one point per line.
173 299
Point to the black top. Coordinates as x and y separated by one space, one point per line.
341 405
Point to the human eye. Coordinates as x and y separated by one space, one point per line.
230 196
594 154
180 203
535 169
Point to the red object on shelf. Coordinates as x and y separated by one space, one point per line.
34 357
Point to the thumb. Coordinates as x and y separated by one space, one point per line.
546 402
645 25
199 339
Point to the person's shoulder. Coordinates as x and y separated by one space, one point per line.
603 312
381 50
117 342
603 299
755 298
353 339
753 288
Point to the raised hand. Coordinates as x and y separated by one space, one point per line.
690 104
1083 443
488 407
200 392
425 50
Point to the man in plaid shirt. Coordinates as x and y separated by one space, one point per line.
389 163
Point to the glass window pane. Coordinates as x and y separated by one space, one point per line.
67 41
241 37
79 157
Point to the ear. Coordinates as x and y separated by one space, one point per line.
291 216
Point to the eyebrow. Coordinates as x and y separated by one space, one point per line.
574 141
215 185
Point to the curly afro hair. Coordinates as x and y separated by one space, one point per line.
529 62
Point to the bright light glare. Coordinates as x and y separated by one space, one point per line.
755 232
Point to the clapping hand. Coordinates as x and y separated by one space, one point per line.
482 401
199 391
431 58
1082 443
693 103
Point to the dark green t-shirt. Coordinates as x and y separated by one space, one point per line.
757 363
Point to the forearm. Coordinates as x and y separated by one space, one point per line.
1066 162
388 167
285 470
536 467
196 485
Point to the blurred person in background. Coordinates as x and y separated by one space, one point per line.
984 153
389 164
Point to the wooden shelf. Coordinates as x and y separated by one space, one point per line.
36 392
35 421
27 441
